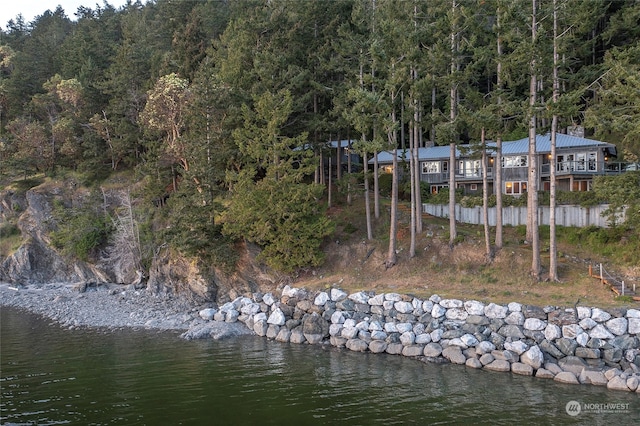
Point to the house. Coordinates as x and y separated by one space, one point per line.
339 156
578 160
343 156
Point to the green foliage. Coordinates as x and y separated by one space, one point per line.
271 204
283 217
8 229
80 231
191 229
350 183
620 242
10 238
23 185
442 196
73 94
622 193
616 116
349 228
385 181
581 198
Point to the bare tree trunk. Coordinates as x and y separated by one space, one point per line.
497 165
124 252
376 185
349 169
433 121
392 257
416 176
453 233
485 197
339 159
453 112
330 184
412 173
532 191
367 196
497 187
553 248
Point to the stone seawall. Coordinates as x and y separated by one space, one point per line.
581 345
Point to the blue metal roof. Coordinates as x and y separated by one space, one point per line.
344 143
424 154
543 144
518 147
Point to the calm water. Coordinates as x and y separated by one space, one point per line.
54 376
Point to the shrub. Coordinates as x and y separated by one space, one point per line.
80 231
384 183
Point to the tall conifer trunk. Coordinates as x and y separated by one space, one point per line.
497 165
553 249
453 99
533 233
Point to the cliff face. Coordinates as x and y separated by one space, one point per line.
171 272
36 261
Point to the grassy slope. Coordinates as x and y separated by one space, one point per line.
354 264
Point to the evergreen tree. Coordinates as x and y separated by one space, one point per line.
614 113
37 60
271 205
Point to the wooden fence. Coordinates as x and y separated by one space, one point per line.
615 285
566 215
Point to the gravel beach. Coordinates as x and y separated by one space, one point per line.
113 307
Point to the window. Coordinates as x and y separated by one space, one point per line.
565 163
581 161
436 188
515 161
473 187
515 187
430 167
581 185
469 168
593 161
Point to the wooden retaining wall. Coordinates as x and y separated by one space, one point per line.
566 215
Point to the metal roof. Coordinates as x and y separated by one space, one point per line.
344 143
543 144
518 147
424 154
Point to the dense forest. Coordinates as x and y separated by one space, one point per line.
220 111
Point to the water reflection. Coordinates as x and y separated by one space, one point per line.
54 376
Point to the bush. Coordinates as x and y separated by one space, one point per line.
80 231
10 238
8 230
385 181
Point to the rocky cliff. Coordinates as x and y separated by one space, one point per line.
36 261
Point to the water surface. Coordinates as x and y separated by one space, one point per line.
51 375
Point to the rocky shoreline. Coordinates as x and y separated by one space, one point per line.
111 307
578 345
